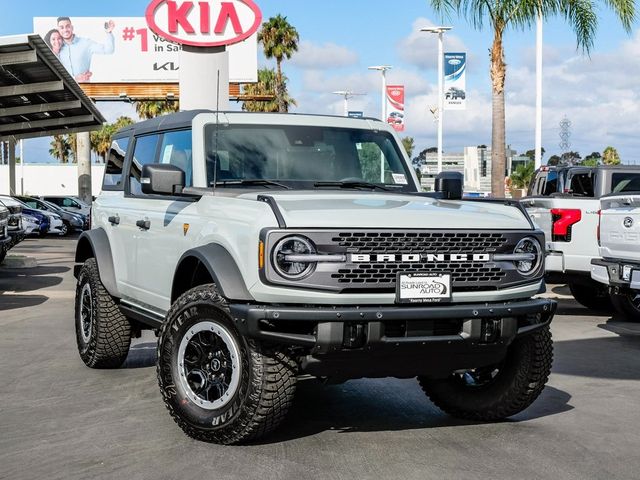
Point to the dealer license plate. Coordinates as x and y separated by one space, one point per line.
423 287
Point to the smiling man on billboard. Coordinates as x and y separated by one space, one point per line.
76 52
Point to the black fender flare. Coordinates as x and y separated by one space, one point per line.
95 243
221 267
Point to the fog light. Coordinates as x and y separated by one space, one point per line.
490 330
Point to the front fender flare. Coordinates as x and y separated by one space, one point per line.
223 270
95 243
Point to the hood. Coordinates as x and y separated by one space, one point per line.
326 209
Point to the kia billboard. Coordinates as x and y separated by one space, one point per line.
395 107
126 50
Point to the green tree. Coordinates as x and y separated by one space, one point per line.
60 148
522 176
582 16
266 86
153 108
532 153
592 160
610 156
553 160
101 139
279 40
409 144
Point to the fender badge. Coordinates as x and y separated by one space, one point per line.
185 228
628 222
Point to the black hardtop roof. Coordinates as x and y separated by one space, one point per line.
183 119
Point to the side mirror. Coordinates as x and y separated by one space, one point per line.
450 185
162 179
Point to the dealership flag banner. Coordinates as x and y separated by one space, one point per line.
455 67
132 53
395 107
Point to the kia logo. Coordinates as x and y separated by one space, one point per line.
628 222
212 23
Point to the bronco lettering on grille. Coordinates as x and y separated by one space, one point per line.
416 257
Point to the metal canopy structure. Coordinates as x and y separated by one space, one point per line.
37 95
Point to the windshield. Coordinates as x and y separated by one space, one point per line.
304 157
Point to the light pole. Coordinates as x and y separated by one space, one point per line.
538 143
347 94
440 31
383 69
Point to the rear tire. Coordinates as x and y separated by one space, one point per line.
593 295
65 229
628 304
219 386
103 333
497 392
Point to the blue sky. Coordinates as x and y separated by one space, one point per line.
339 39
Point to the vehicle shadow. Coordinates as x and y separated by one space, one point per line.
602 357
30 279
376 405
11 302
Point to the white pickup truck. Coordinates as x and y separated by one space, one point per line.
569 218
619 267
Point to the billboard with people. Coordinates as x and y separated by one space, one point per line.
395 107
125 50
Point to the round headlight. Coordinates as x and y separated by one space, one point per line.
532 247
294 245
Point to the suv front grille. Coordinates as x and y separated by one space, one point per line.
464 275
396 242
4 214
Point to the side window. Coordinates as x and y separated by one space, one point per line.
144 153
176 150
56 200
115 162
67 202
625 182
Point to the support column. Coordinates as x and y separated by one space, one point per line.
84 167
12 166
199 67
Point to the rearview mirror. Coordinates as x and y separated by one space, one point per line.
162 179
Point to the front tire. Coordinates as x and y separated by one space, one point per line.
496 392
628 304
594 296
219 386
103 333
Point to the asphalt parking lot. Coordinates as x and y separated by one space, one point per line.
59 419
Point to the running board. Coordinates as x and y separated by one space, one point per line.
145 317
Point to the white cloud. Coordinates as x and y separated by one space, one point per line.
421 48
327 55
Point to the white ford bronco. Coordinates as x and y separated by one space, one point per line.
265 246
619 240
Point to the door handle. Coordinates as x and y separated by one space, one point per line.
143 224
114 220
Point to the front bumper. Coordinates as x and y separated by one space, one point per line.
610 272
401 341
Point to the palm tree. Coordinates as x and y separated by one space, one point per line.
153 108
60 148
409 144
279 40
500 14
101 139
266 85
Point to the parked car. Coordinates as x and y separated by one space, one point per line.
14 223
30 224
619 239
569 219
271 247
49 222
71 221
72 204
5 238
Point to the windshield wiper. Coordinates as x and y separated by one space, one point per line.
255 181
353 184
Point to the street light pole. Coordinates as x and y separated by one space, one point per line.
347 94
383 69
440 31
538 142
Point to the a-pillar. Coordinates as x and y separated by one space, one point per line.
202 69
84 167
